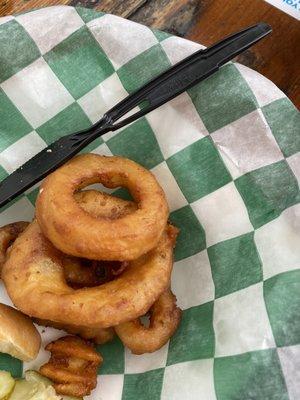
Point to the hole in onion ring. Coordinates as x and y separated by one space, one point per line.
145 320
83 273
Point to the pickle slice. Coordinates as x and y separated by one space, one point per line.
46 394
25 390
34 376
7 384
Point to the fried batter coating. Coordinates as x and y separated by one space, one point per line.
34 278
78 233
8 234
94 334
164 320
80 273
72 366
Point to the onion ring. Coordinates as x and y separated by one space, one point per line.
78 233
97 335
80 273
164 319
8 234
34 278
75 273
100 204
89 273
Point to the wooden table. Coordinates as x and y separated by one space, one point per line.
205 21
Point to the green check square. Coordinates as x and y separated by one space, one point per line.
137 142
13 126
113 357
284 121
87 14
123 193
268 191
145 386
235 264
92 146
143 68
250 376
3 173
191 238
160 35
282 298
223 98
79 62
195 338
199 169
17 49
32 196
69 120
8 205
11 364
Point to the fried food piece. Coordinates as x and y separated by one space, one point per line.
164 320
78 233
96 335
89 273
72 366
104 205
34 278
18 335
8 234
81 272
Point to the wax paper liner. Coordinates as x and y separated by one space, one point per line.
227 154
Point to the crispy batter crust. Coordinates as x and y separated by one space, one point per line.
78 233
164 320
96 335
8 235
86 275
34 278
80 273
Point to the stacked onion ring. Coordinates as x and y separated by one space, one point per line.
98 259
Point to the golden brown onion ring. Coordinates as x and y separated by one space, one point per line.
97 335
164 320
75 273
100 204
34 278
78 233
80 272
8 234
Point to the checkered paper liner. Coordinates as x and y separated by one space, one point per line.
227 154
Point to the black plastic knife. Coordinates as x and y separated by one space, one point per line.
158 91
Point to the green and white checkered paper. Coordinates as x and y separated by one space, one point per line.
226 153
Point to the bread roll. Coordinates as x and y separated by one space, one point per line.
18 335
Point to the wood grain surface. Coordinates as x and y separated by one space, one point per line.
206 21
